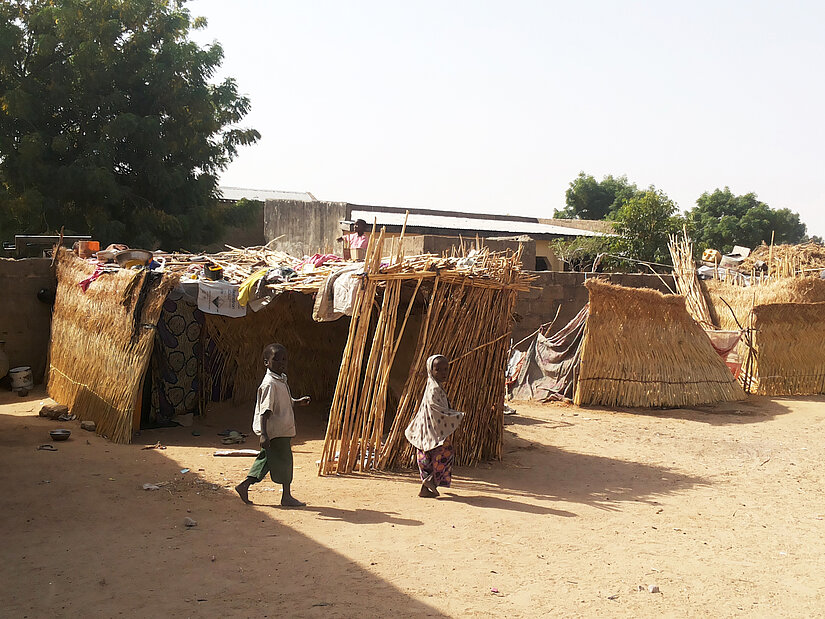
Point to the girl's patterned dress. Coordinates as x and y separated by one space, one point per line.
437 462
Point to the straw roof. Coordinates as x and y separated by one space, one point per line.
99 349
642 348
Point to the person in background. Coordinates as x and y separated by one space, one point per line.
355 243
274 423
429 431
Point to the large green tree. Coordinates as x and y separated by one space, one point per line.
109 122
644 223
721 220
587 198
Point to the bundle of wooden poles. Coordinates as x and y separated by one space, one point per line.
468 319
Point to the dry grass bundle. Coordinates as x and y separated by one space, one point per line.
743 300
642 348
469 319
99 351
314 348
791 358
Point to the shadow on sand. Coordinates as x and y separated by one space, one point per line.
77 545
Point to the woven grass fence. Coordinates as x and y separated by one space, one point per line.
790 353
99 349
468 319
642 349
743 300
314 348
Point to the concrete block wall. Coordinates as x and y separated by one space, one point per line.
25 322
566 289
303 227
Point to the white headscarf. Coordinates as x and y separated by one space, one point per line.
435 420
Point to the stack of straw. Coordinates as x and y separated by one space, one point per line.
787 260
642 349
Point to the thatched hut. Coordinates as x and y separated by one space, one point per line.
642 348
630 347
113 340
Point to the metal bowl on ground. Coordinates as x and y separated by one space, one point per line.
60 435
133 257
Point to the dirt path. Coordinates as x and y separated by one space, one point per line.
721 509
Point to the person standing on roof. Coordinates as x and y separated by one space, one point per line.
355 243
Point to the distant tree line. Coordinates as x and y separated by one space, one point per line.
110 123
644 218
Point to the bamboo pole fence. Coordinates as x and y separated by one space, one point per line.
468 319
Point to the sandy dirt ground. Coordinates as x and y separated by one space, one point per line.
720 508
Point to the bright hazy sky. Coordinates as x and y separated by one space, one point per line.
496 106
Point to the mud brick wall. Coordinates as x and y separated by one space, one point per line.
24 320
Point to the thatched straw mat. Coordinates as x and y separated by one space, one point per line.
742 300
789 342
642 349
99 353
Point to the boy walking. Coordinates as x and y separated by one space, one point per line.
274 423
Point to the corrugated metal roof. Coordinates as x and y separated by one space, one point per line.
238 193
480 223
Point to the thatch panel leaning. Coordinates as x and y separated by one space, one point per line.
641 348
99 349
789 343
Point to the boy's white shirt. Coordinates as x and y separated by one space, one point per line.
274 395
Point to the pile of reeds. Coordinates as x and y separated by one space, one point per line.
790 353
99 349
787 260
314 349
470 302
642 349
471 326
687 281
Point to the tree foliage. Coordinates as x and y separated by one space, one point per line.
109 124
644 223
587 198
722 220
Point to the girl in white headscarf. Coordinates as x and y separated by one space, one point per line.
429 431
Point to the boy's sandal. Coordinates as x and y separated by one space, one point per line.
47 447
